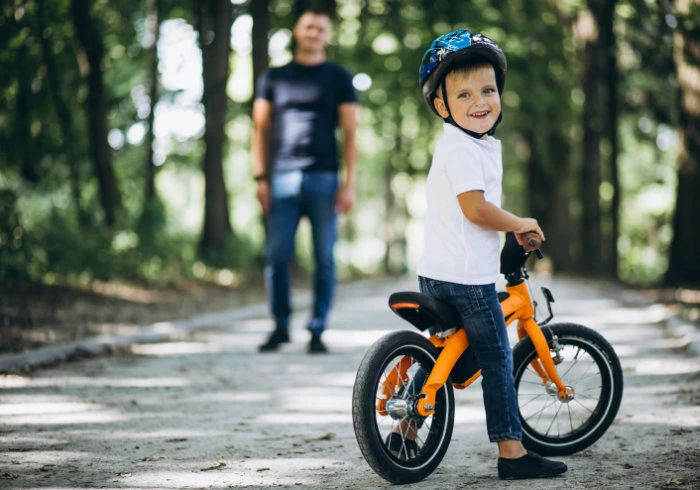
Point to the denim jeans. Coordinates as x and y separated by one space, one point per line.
296 194
483 321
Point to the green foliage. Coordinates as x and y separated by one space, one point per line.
51 225
14 246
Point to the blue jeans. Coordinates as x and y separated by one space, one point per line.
296 194
483 321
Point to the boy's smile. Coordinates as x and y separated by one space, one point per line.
472 97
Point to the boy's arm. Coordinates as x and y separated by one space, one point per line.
486 215
262 128
347 118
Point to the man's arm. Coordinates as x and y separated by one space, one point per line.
347 117
262 129
486 215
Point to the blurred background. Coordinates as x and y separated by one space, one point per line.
125 130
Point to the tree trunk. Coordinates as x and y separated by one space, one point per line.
260 12
153 26
608 38
595 68
214 19
63 113
684 260
611 264
91 54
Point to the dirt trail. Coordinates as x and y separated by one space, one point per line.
205 410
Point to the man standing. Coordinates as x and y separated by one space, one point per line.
295 163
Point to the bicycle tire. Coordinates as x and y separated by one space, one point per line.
591 368
372 428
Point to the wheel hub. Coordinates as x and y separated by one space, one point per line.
400 408
552 390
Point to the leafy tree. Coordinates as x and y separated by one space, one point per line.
92 52
214 20
684 263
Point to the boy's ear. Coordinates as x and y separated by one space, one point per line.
439 105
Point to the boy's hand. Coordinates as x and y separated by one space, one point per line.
527 225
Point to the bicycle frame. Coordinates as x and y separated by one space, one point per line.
517 306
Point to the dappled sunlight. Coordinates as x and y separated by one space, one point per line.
58 412
308 418
147 382
342 379
614 315
354 338
665 366
249 473
472 414
238 396
175 348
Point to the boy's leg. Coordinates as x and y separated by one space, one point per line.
482 318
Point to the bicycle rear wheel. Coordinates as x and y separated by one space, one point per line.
399 444
590 367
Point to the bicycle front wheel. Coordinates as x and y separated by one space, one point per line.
589 366
400 445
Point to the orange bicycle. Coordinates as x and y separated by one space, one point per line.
567 377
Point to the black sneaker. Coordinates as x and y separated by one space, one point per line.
401 448
277 337
316 345
531 465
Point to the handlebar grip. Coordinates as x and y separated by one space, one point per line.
532 242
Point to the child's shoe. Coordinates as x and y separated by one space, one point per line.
531 465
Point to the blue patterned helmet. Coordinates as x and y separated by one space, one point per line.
457 46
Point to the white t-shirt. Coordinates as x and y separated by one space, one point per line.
455 249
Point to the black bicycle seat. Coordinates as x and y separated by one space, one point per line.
424 311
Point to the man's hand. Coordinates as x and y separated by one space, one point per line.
264 195
344 199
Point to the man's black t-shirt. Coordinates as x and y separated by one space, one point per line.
305 102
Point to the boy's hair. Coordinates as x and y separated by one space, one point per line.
464 67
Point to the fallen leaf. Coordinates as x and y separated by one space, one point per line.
154 458
217 466
328 437
263 469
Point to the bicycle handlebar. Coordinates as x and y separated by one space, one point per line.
532 242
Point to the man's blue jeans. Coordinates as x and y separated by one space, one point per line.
296 194
482 318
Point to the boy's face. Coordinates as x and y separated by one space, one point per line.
473 99
312 32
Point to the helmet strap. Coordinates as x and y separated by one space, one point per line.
450 120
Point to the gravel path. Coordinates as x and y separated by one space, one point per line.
200 408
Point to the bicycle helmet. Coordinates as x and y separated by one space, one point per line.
448 49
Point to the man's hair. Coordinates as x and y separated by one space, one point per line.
326 8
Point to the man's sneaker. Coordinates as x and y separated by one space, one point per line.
316 345
401 448
529 466
277 337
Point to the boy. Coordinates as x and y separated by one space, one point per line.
462 76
